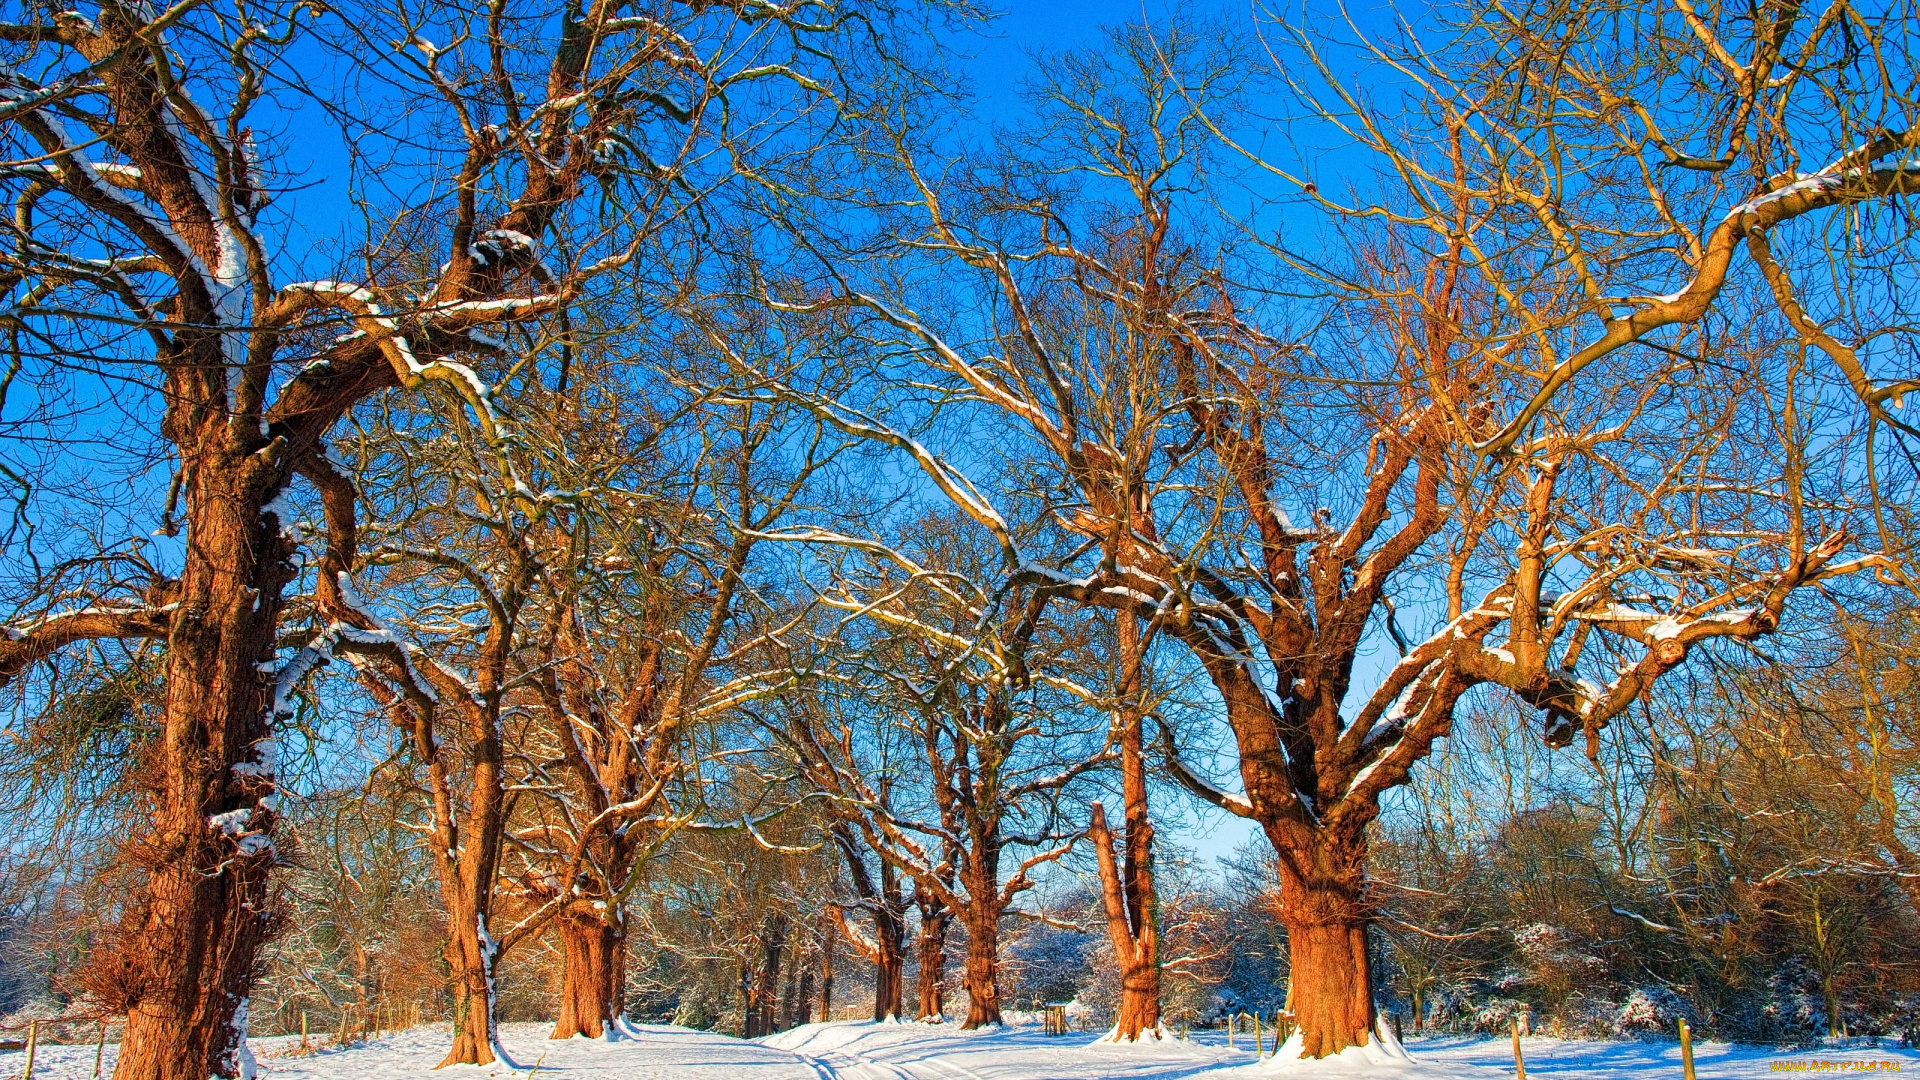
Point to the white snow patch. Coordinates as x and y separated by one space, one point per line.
864 1050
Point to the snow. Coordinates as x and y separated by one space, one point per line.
863 1050
1818 182
231 823
1379 1055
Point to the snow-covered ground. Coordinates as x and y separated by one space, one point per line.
866 1051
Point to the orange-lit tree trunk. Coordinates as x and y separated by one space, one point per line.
469 864
1330 980
612 769
1130 927
985 901
1126 888
190 944
982 971
930 948
593 948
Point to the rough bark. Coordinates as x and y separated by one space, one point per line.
889 971
931 951
983 969
467 857
469 955
193 939
594 949
1330 979
1134 937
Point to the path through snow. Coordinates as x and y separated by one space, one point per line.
867 1051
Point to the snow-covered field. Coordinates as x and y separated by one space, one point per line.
866 1051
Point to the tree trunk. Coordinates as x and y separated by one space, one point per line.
1135 945
983 962
466 887
789 1001
746 1000
889 973
470 955
763 993
1127 889
931 950
595 952
888 908
803 1003
1331 980
826 974
186 954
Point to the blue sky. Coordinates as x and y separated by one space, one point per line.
998 61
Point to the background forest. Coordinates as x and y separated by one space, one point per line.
1736 882
703 513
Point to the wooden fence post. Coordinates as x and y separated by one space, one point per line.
1259 1046
1519 1064
1686 1049
33 1044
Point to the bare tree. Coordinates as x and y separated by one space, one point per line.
632 669
576 636
140 207
989 747
884 903
1166 428
551 147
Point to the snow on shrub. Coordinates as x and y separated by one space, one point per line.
1902 1020
1046 964
1495 1016
1551 955
1587 1016
1794 1004
1654 1010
